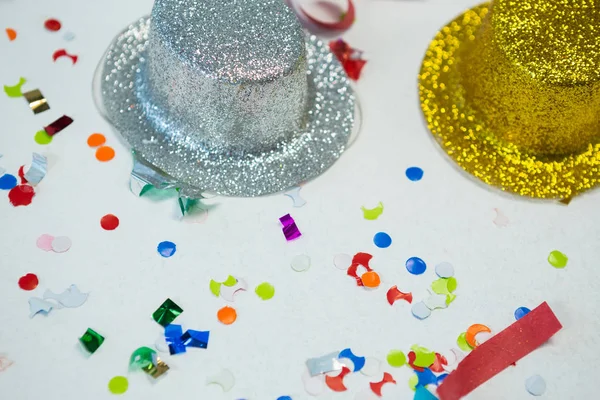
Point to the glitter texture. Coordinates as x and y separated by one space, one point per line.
511 92
227 96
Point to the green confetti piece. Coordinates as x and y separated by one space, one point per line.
230 281
265 291
91 340
462 342
118 385
423 356
373 213
167 312
42 137
396 358
15 91
142 357
413 381
450 298
215 287
557 259
440 286
451 284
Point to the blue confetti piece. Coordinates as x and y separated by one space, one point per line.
166 249
193 338
414 174
521 312
440 378
284 398
7 182
426 377
415 266
173 338
423 394
382 240
359 362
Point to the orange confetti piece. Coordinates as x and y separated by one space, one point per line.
96 139
370 279
227 315
474 330
105 153
11 33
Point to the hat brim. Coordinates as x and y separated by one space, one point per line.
330 119
463 134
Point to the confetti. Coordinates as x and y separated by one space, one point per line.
414 174
166 249
345 20
557 259
157 369
4 362
377 386
91 340
313 385
421 393
382 240
28 282
15 91
96 139
11 33
462 343
37 305
265 291
323 364
342 261
301 263
474 330
109 222
61 244
535 385
198 339
8 181
415 266
420 310
68 36
372 367
63 53
336 383
37 171
444 270
352 271
227 315
411 359
350 58
42 137
167 312
118 385
44 242
436 301
225 379
173 335
358 362
21 195
70 298
396 358
227 292
37 101
142 357
21 174
424 357
501 220
52 25
393 294
444 286
290 230
501 351
284 398
294 194
521 312
439 363
105 153
58 125
373 213
425 377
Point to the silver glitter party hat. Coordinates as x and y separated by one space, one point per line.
227 96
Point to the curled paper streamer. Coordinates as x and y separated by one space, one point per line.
37 170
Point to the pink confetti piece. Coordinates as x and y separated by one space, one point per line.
44 242
501 220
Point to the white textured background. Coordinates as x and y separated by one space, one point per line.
444 217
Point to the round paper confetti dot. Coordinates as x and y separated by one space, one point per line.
396 358
28 282
414 174
284 398
413 381
42 137
96 139
461 341
521 312
8 181
227 315
415 266
557 259
342 261
166 249
109 222
118 385
372 367
52 24
444 270
69 36
314 385
60 244
105 153
382 240
21 195
265 291
44 242
420 310
535 385
301 263
370 279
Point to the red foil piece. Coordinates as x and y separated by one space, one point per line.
336 383
350 58
376 386
58 125
28 282
21 195
499 352
394 294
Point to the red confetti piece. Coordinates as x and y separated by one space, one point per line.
63 53
336 383
109 222
346 19
350 58
394 294
411 361
376 386
52 24
21 174
58 125
28 282
21 195
500 351
362 259
438 364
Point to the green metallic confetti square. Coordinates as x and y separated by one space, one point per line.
167 312
91 340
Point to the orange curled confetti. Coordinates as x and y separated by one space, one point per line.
370 279
105 153
96 139
474 330
11 33
227 315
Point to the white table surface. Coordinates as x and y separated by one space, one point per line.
444 217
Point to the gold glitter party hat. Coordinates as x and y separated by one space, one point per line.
511 92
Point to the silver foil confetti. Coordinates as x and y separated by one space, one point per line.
37 170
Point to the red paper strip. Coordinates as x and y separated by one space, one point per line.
346 19
500 351
58 125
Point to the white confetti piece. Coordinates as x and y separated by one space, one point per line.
301 263
313 385
436 301
61 244
342 261
420 310
444 270
535 385
225 379
70 298
372 367
161 344
37 305
227 292
294 194
501 220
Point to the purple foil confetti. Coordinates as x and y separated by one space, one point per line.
58 125
290 230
